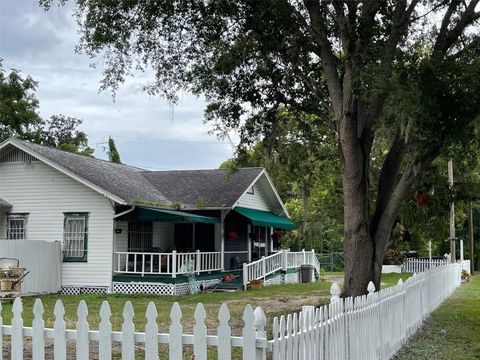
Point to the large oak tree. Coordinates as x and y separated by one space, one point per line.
398 71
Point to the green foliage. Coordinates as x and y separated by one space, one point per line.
113 153
393 256
18 105
19 117
62 132
300 155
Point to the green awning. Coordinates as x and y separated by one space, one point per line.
154 214
265 218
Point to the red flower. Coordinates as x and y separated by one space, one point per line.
277 236
232 235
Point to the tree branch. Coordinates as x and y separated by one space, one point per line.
388 177
319 34
446 38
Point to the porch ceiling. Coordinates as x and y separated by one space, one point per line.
150 213
264 218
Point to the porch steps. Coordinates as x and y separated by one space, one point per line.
235 284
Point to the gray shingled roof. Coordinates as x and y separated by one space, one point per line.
203 188
191 188
4 203
125 182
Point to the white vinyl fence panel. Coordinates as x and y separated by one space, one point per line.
372 326
43 261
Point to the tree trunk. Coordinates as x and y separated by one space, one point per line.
357 243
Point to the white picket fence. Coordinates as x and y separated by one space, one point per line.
372 326
253 341
412 265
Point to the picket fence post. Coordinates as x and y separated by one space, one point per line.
105 333
59 327
224 332
259 324
38 336
249 334
82 332
17 330
151 331
335 291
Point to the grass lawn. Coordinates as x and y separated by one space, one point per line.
275 300
452 331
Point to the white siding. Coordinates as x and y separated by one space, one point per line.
121 240
257 200
46 194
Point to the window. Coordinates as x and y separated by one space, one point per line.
251 191
75 236
17 226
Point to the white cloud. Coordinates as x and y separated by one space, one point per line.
42 45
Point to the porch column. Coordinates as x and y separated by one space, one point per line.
249 242
222 239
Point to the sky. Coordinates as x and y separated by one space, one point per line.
147 132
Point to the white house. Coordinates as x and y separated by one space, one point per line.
126 229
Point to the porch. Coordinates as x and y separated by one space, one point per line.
151 241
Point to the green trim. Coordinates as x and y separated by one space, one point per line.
83 258
165 279
154 214
265 218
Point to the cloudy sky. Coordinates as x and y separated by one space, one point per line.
41 44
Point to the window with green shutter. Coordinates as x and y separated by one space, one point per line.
75 237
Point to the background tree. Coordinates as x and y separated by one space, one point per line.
62 132
19 117
113 153
18 105
305 172
384 68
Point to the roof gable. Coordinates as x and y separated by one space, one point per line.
215 188
264 196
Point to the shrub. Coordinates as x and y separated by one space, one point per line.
393 257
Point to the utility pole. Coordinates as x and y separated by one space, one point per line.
452 213
470 237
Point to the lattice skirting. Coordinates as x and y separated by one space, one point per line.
144 288
159 288
292 278
77 290
275 280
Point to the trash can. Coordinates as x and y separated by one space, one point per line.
306 273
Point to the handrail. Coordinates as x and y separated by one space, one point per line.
282 260
173 263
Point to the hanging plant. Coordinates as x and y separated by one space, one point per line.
232 235
422 199
276 235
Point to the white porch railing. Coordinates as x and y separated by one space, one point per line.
282 260
173 263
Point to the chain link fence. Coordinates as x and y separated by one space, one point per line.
332 261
